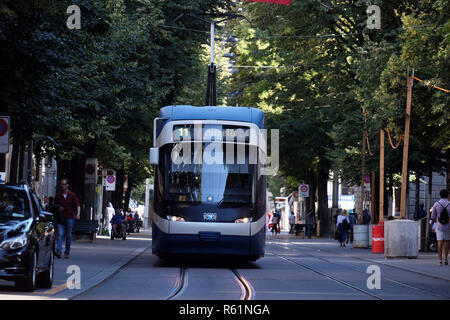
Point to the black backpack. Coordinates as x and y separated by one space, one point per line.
443 217
345 224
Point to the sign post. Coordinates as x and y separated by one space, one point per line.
110 183
4 134
304 190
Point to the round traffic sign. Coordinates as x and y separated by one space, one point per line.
304 188
110 179
3 127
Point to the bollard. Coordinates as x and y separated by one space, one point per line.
378 238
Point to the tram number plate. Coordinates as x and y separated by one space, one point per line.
210 216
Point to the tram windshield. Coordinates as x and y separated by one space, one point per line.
209 172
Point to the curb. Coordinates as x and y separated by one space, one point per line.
99 278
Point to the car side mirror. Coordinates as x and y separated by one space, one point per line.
154 156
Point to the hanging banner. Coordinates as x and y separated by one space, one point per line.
285 2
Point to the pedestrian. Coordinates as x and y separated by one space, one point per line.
275 221
108 216
343 226
292 223
421 213
51 202
366 216
352 221
440 215
45 202
67 201
310 222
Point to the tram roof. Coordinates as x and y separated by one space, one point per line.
185 112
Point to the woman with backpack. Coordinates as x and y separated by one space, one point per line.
440 215
343 226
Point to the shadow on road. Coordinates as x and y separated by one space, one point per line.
205 261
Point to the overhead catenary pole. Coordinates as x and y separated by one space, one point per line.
409 84
381 209
363 169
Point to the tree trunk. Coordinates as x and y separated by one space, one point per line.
448 168
13 177
117 195
21 161
323 211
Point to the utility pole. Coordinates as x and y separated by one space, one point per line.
409 84
381 209
363 169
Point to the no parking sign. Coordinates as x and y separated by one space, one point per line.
110 183
4 134
304 190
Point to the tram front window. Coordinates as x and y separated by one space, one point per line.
216 179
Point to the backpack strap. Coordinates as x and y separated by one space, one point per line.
442 205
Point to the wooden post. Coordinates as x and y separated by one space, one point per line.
363 169
409 84
381 209
372 198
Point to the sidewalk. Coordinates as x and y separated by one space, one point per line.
96 262
426 263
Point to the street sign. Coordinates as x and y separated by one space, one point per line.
304 190
110 183
4 134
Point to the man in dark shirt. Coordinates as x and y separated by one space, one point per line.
66 200
117 223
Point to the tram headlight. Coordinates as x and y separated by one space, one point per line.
243 220
175 218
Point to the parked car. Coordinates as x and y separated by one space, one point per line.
27 239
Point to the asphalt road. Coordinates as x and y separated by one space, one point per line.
292 269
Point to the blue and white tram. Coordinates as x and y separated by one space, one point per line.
209 192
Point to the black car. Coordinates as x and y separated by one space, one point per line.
27 239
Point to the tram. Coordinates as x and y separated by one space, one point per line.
209 190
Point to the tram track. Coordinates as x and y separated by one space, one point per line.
400 283
328 276
181 284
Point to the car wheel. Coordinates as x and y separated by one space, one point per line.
28 283
45 279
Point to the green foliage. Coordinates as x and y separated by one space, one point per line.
95 91
331 78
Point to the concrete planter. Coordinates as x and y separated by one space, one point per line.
361 236
400 239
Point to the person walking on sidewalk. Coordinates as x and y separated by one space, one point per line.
108 216
292 223
440 215
67 201
343 226
275 221
352 220
310 222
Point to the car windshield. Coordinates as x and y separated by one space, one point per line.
13 204
229 181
